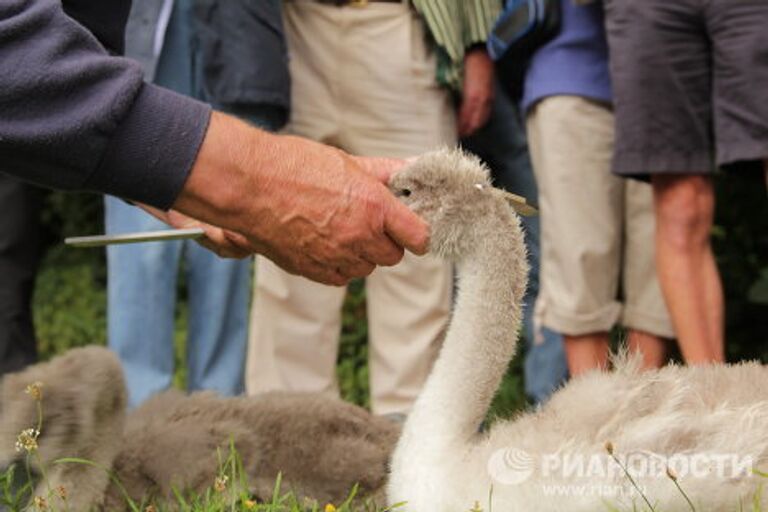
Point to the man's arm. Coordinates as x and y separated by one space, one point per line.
74 117
477 91
478 17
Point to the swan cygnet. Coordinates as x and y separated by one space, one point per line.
320 445
707 425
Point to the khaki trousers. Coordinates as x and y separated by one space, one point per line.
363 80
597 229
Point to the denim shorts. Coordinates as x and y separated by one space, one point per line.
690 81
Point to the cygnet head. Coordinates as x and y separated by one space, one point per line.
452 191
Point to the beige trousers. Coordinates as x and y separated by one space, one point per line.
363 80
597 242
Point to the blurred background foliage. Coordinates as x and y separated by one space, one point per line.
740 239
70 298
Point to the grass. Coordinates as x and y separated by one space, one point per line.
228 493
222 496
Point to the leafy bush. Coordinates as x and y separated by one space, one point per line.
70 297
740 240
352 368
70 304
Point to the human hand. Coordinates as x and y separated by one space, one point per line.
477 94
312 209
381 168
222 242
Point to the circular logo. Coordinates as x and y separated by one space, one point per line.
510 466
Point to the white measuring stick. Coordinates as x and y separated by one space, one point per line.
134 238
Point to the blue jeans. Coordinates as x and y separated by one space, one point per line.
142 278
503 146
142 301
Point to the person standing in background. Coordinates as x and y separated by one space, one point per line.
373 77
690 97
597 266
19 257
236 52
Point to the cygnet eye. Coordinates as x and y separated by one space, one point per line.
403 192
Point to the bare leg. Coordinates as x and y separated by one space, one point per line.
586 352
689 278
652 348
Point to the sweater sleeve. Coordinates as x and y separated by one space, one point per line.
76 118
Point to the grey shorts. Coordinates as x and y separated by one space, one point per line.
690 81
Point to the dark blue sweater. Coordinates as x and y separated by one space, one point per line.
74 117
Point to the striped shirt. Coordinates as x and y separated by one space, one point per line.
456 25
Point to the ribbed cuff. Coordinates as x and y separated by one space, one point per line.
153 150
